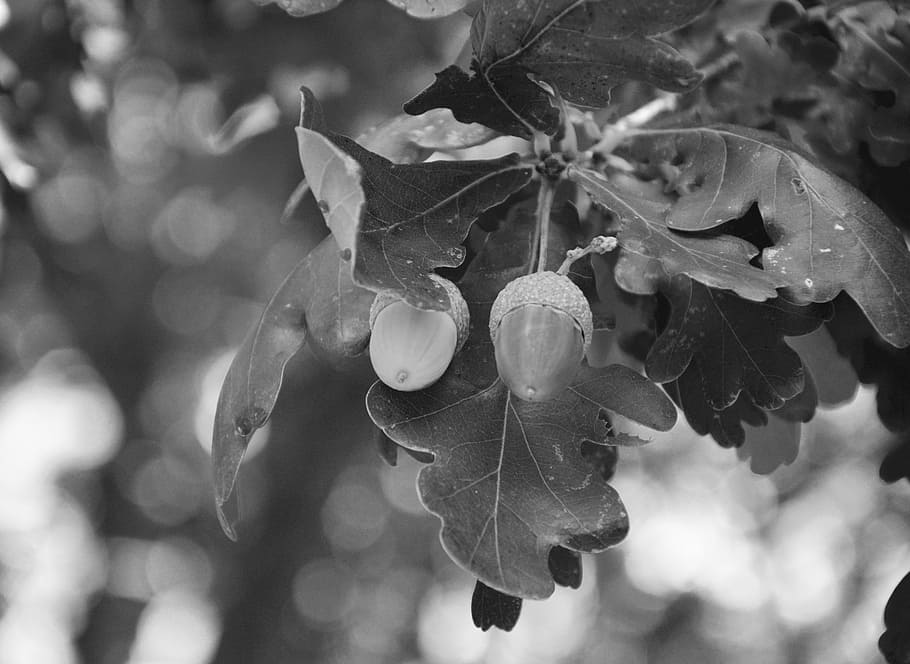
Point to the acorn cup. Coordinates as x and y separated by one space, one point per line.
541 326
411 348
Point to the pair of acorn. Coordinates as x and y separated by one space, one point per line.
541 326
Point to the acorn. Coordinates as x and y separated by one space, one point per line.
541 326
411 348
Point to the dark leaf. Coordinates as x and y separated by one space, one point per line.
876 51
651 250
510 103
565 566
770 446
580 48
491 608
400 221
834 377
724 426
585 48
733 344
603 458
896 464
509 480
875 362
895 642
828 237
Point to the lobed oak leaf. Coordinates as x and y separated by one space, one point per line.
827 236
735 345
317 296
895 642
579 48
399 221
491 608
651 250
512 479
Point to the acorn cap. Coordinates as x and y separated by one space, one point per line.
458 308
548 289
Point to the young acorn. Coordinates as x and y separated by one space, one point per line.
411 348
541 326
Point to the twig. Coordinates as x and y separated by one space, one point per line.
544 204
599 245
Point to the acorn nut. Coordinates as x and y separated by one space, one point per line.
411 348
541 326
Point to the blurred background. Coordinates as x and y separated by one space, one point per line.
140 237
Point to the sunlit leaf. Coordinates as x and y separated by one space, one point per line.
303 7
652 250
405 139
828 237
254 118
431 8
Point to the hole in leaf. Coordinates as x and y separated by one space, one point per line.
603 458
799 187
323 206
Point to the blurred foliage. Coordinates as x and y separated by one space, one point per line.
147 152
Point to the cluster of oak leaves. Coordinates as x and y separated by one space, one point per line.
745 237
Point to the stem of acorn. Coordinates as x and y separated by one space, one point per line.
545 197
599 245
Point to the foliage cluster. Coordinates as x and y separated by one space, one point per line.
748 237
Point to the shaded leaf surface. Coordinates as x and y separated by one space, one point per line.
316 290
565 566
510 103
581 48
509 480
895 642
652 250
413 217
491 608
734 345
827 236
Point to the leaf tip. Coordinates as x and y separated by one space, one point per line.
228 512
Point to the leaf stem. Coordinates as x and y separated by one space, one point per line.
599 245
545 197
